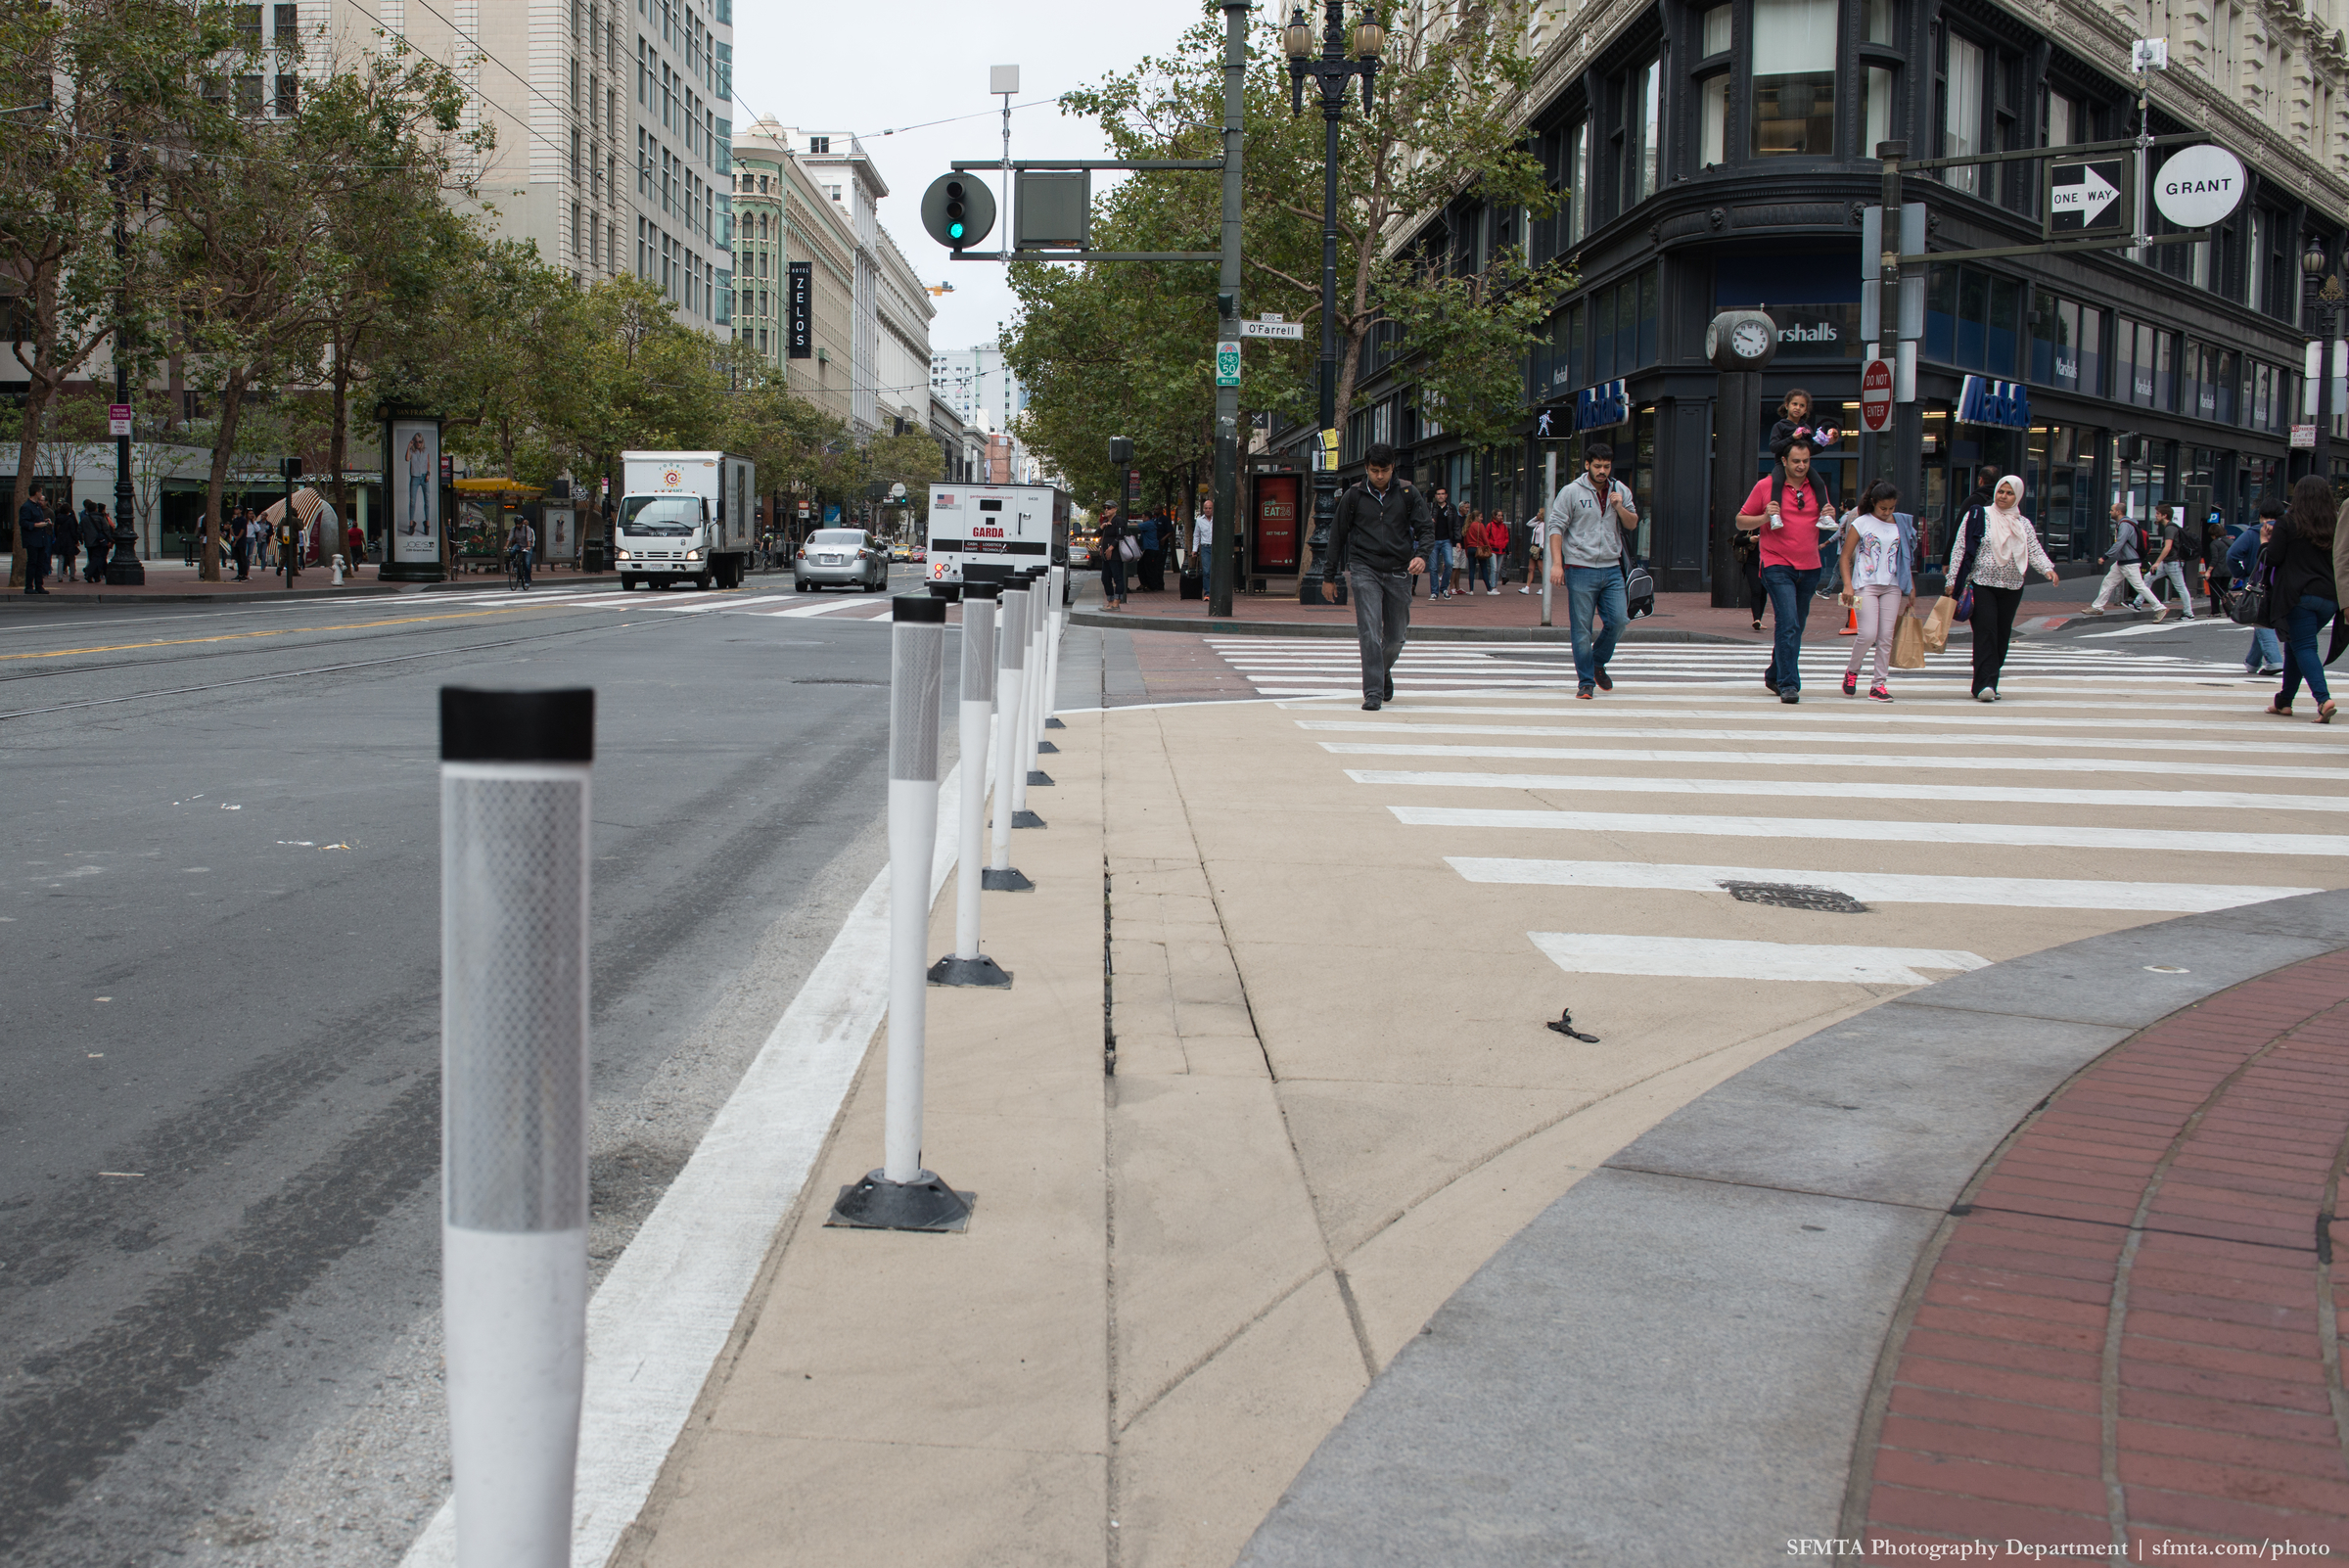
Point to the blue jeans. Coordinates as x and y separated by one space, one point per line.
2266 652
2302 658
1830 552
1439 567
1595 591
1790 589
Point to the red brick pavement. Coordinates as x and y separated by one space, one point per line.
2131 1339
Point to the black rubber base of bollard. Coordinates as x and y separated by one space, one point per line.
1021 820
1007 880
926 1203
1053 723
978 971
1047 746
1037 776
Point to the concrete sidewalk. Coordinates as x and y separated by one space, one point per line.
1271 1089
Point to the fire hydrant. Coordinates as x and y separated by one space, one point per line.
338 571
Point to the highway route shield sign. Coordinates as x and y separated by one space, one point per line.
1228 364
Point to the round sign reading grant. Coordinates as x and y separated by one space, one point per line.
2200 186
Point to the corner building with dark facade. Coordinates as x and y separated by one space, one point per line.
1721 156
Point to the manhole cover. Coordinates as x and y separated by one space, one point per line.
1795 895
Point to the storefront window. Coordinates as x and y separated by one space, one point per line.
1973 319
1794 77
1643 477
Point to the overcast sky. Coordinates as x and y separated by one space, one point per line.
870 68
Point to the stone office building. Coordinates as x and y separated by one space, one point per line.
1719 155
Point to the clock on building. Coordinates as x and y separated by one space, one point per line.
1741 339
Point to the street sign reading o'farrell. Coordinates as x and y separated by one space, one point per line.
2199 187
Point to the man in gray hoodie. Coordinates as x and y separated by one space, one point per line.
1589 519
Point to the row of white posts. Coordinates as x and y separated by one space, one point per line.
514 997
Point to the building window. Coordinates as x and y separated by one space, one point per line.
1794 77
1883 23
287 27
289 96
1973 319
1635 135
248 26
1961 112
1716 90
818 146
249 95
2064 125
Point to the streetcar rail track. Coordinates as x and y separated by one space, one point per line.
307 670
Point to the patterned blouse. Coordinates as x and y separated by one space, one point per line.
1989 572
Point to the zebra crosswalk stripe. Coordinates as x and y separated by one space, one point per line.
1721 958
2013 835
1875 887
2169 769
1861 790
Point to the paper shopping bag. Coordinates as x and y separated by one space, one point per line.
1936 624
1908 644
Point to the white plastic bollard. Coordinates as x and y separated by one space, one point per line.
1060 627
513 883
902 1195
1020 736
1012 640
967 965
1039 627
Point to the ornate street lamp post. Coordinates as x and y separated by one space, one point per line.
2317 266
1333 71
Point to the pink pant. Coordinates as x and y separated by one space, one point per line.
1879 612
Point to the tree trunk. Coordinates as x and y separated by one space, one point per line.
338 434
232 403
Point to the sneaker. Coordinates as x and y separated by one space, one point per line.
1756 626
1851 684
2093 609
1371 706
1606 683
1583 691
1877 693
1993 695
2272 669
1790 696
1525 590
1390 697
2161 614
1986 695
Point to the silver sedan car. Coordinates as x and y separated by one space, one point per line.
841 558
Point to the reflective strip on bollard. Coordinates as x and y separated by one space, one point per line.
514 900
902 1195
966 966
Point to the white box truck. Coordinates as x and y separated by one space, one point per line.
1003 524
686 514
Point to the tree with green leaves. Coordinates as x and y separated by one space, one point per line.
1468 333
115 89
1444 122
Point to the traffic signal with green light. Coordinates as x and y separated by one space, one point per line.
959 211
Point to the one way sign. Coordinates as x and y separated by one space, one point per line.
2081 203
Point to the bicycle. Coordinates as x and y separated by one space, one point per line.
513 569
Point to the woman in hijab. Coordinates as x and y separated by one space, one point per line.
1995 551
2302 597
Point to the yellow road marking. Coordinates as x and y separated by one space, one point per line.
284 631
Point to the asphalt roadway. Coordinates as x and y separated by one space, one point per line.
218 1072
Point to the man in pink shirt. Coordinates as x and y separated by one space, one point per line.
1787 510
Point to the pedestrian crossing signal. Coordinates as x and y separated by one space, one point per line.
959 211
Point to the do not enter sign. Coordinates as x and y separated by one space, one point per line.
1875 396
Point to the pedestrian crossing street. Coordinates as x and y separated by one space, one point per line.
1294 666
1755 843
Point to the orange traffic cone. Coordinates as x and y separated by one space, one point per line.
1851 622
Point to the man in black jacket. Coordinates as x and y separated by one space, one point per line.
35 537
1379 540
